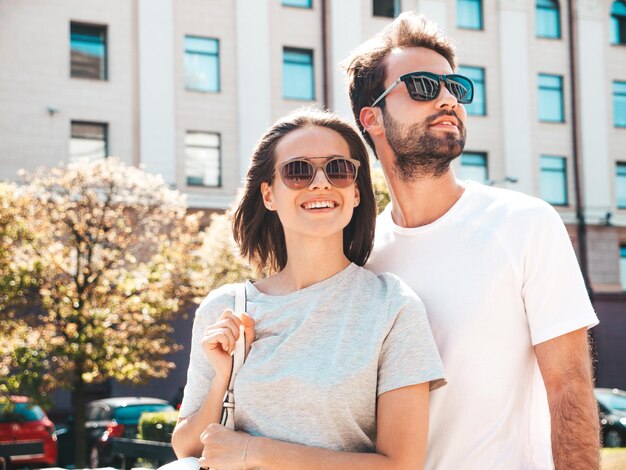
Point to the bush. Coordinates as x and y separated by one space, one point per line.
157 426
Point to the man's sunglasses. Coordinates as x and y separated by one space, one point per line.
298 173
425 86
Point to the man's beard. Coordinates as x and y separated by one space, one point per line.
421 152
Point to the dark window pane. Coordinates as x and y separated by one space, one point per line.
547 20
88 140
298 81
618 22
298 3
88 51
202 71
386 8
551 98
619 104
469 14
477 74
202 159
553 180
474 166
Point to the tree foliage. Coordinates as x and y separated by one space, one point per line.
113 249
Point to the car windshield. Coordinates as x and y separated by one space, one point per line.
131 413
21 412
613 401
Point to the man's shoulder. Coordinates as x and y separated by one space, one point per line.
506 202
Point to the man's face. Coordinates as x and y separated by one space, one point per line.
425 136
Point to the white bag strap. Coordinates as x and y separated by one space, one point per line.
228 413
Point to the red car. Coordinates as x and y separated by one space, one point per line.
24 422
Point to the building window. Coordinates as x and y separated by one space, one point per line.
469 14
202 64
474 167
386 8
88 51
88 140
618 22
619 104
298 82
622 266
551 98
477 107
547 19
202 159
298 3
620 185
553 180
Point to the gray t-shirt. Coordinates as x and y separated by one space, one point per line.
320 358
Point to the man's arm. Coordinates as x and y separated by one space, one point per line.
566 369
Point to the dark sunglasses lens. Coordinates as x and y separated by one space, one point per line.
422 87
461 88
297 174
341 172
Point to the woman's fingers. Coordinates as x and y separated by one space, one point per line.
248 324
222 336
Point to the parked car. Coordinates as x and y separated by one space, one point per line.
107 418
23 421
612 407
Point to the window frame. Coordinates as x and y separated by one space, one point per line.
622 265
473 153
105 127
617 26
557 9
562 97
302 7
311 54
481 16
105 42
560 171
397 8
201 53
220 182
615 94
618 165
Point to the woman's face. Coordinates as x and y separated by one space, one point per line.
299 210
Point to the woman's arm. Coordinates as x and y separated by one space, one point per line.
217 342
402 432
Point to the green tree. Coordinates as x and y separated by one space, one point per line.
114 251
380 189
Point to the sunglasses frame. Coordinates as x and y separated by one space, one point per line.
441 78
316 166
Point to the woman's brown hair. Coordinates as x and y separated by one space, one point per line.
259 232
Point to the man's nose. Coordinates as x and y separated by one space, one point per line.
445 97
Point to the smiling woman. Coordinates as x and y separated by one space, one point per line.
306 397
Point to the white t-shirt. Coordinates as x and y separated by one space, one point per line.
320 358
498 275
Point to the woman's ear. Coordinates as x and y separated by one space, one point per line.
268 196
371 120
357 196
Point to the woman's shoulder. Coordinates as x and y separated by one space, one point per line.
216 301
396 291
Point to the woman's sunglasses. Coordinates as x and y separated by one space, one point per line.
425 86
298 173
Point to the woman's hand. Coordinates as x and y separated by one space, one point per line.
223 448
218 340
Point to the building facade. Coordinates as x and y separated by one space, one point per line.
185 88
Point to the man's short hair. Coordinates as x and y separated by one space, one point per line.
366 66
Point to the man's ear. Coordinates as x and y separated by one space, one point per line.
372 120
268 196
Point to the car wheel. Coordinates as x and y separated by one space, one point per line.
613 438
94 457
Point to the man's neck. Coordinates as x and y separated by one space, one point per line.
421 202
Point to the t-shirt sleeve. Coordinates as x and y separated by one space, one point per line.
554 292
200 372
409 355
